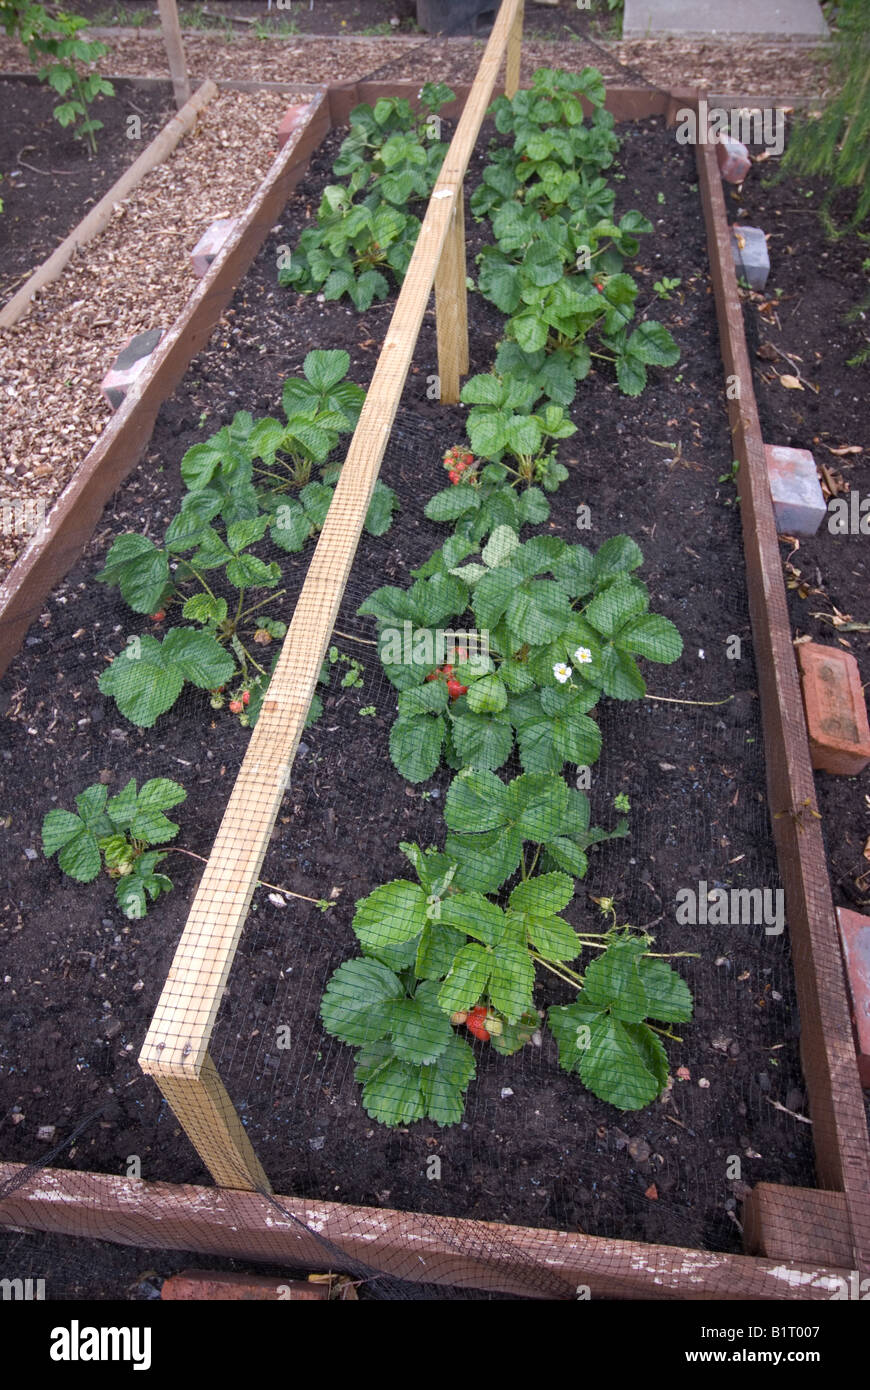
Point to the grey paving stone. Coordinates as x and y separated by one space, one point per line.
781 19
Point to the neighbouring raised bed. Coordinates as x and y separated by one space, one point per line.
811 313
135 276
703 808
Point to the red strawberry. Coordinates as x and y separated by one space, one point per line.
454 689
236 706
158 616
475 1021
454 476
246 697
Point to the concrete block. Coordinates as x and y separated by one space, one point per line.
720 19
210 244
733 159
798 502
751 260
855 943
132 361
835 709
293 118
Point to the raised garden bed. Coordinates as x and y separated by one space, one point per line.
690 823
316 1092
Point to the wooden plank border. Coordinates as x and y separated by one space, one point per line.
73 518
290 1231
827 1046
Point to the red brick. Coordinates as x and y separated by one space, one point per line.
132 362
210 1285
855 940
211 242
293 118
835 709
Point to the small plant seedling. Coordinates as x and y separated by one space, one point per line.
622 803
65 60
116 834
664 286
730 477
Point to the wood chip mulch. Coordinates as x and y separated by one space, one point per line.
778 69
136 275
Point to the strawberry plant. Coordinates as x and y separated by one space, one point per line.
557 156
147 677
502 423
116 833
556 268
555 645
208 566
440 954
350 247
391 144
392 160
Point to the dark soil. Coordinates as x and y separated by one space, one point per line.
50 178
534 1147
348 16
814 284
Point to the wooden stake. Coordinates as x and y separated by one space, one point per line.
451 307
514 54
174 51
212 1125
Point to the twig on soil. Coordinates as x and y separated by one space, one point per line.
804 1119
261 882
669 700
47 172
349 637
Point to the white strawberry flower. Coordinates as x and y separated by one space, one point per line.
583 656
562 672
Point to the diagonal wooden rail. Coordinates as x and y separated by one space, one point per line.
175 1051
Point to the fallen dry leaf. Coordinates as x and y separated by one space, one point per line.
652 1192
845 449
790 382
767 352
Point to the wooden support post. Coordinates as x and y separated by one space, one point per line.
211 1123
174 51
451 306
790 1223
514 54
